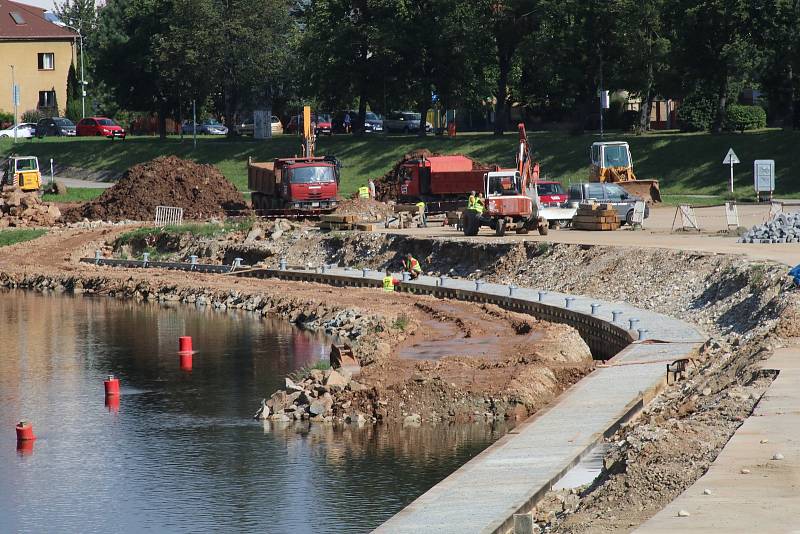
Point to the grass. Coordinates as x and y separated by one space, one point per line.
74 194
197 229
303 372
10 237
686 164
401 323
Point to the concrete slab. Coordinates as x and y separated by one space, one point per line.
768 498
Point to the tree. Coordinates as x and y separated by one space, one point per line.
73 110
782 61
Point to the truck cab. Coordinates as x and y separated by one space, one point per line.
22 172
310 184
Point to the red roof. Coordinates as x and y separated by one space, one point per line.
21 21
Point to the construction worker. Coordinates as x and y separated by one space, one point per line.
480 202
422 218
371 186
471 201
412 266
388 282
363 192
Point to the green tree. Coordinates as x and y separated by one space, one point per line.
782 62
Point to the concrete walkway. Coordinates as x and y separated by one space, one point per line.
768 498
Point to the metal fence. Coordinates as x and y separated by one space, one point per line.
167 215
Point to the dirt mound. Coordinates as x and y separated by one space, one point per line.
201 190
366 209
19 209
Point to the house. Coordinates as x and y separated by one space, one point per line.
37 54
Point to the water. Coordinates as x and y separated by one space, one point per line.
181 453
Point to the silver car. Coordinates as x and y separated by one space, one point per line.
405 122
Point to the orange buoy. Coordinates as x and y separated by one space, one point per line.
112 385
25 432
25 448
186 361
185 344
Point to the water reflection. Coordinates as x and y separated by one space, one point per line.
177 451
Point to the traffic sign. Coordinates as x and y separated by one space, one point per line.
730 158
16 94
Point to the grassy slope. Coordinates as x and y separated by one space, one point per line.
12 236
685 163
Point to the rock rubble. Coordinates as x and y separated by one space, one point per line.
785 228
19 209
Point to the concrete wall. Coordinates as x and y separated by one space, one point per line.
24 56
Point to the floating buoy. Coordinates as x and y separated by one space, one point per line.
25 448
185 344
112 386
186 361
112 403
24 432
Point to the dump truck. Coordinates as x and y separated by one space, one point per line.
306 183
611 162
22 172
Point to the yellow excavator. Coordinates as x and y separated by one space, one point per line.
611 162
22 172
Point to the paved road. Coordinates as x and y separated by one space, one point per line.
88 184
767 499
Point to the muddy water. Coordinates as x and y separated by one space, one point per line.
180 453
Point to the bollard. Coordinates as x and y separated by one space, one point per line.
97 256
324 268
631 323
145 259
542 295
478 284
25 432
193 261
511 289
282 264
406 276
615 315
364 272
568 302
111 385
642 334
442 278
237 263
595 307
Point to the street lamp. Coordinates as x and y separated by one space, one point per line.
83 82
14 97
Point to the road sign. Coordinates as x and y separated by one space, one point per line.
730 158
764 175
16 94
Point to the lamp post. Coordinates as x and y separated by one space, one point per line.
83 81
14 97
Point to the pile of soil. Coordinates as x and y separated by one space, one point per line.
366 209
201 190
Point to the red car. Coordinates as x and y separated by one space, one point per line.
98 126
551 193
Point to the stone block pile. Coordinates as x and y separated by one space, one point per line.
785 228
20 209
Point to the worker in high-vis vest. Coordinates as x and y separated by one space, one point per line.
412 266
479 204
423 219
388 282
363 192
471 201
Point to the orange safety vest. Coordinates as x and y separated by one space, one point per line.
412 265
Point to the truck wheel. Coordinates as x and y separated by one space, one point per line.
522 231
470 223
500 230
543 229
628 218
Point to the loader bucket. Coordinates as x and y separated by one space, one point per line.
648 190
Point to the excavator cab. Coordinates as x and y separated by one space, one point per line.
612 162
22 172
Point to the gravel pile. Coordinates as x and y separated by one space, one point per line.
19 209
785 228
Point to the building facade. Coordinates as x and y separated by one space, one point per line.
36 54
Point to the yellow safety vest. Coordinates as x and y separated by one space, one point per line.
363 192
388 283
421 206
478 206
471 203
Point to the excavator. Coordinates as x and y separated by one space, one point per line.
512 200
22 172
611 162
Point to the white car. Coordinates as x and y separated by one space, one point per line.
24 131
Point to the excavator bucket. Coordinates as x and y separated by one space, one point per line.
648 190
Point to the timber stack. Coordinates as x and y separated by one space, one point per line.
343 222
594 216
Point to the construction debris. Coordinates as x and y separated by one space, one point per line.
201 190
594 216
20 209
785 228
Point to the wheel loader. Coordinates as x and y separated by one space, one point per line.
22 172
611 162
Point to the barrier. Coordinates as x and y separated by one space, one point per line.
168 215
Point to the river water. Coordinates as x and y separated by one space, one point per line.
180 452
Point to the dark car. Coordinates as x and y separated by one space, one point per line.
372 122
606 193
100 126
55 126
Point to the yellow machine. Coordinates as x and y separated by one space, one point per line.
611 162
22 172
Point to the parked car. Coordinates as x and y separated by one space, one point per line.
607 193
324 125
372 122
55 126
405 122
25 130
207 127
551 193
100 126
248 126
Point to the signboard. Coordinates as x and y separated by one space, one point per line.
262 126
764 175
731 158
15 96
604 100
732 215
638 213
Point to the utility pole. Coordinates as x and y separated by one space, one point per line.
15 98
194 123
83 80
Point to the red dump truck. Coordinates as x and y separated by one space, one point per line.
304 183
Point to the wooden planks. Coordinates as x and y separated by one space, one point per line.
596 217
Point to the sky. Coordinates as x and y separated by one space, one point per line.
47 4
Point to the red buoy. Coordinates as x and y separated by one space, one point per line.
186 361
185 344
112 385
112 403
25 432
25 448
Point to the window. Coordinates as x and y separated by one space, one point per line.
311 175
616 193
17 16
47 61
616 156
594 191
47 99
